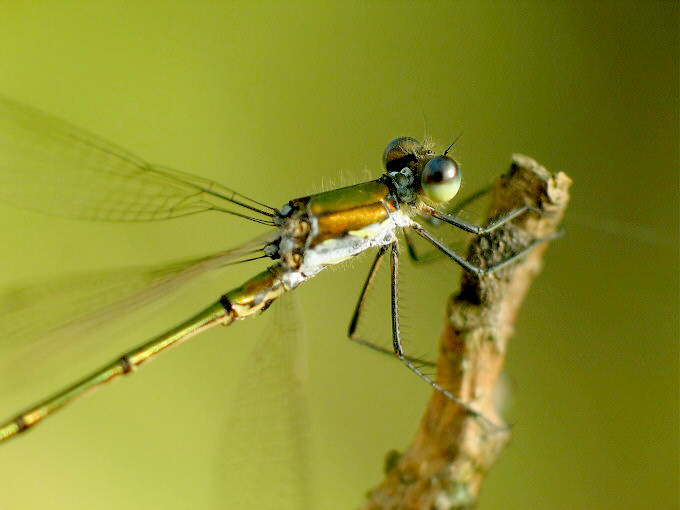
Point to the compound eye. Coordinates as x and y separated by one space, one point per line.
440 179
401 153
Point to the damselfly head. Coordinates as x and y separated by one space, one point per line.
437 177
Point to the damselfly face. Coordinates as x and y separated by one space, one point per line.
423 173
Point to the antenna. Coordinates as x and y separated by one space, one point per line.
447 150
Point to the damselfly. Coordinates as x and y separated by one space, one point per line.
48 164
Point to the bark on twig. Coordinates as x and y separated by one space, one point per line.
452 452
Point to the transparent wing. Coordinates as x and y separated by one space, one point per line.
51 166
265 454
60 310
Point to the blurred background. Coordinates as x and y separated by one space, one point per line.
277 100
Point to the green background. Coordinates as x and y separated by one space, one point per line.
275 99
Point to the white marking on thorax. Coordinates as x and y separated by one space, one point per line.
334 251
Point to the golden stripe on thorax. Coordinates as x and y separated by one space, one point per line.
350 209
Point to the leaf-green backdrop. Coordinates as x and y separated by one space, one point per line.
275 99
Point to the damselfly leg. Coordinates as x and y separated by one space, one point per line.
416 364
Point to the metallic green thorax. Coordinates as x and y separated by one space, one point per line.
336 214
